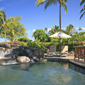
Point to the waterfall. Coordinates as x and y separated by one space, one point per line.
8 62
4 53
1 54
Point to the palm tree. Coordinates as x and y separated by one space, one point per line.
49 2
45 29
80 29
3 22
83 9
70 30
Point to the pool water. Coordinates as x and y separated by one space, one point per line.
45 73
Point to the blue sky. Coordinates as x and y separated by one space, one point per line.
37 18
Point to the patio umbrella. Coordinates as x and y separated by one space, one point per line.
60 35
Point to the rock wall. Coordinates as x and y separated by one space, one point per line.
7 52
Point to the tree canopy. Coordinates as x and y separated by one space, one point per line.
3 23
14 28
41 35
53 30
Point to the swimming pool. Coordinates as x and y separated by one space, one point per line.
44 73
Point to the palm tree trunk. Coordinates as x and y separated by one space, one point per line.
5 35
60 27
60 17
5 31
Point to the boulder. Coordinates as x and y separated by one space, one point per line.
25 51
23 59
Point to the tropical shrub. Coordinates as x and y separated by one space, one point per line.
36 44
23 43
23 39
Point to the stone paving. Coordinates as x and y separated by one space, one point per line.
69 57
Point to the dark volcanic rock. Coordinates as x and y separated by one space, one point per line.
30 52
37 52
14 45
25 51
4 46
21 51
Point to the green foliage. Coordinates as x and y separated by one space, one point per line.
53 30
23 43
41 36
78 37
11 28
83 9
3 24
36 44
2 19
48 44
23 39
14 28
70 30
80 29
49 2
83 44
54 40
45 29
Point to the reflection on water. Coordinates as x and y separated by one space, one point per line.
73 67
46 73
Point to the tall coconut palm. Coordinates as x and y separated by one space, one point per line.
3 22
49 2
45 29
80 29
83 9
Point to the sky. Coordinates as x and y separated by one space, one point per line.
38 18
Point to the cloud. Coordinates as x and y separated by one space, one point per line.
48 29
33 30
81 27
1 8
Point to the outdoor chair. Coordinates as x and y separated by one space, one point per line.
64 51
52 51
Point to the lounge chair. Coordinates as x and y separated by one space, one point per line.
52 51
64 51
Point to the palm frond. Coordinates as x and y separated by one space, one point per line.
65 8
82 9
82 15
64 4
65 0
82 1
49 2
38 2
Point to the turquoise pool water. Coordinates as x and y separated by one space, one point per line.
46 73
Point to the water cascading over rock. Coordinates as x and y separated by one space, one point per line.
12 53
